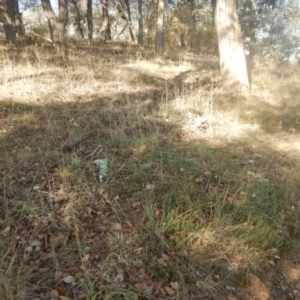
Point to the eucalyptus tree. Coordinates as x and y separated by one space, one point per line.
89 17
141 23
57 24
9 19
122 6
159 37
79 19
84 15
106 22
231 49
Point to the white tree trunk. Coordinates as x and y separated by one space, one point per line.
231 50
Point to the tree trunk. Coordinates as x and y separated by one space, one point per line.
231 50
250 32
50 30
131 28
10 22
141 23
78 18
89 17
18 17
182 41
58 24
159 39
106 24
192 25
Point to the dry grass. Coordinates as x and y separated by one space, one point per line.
201 193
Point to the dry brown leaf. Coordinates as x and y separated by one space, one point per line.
70 263
40 236
162 262
128 224
65 240
238 257
119 278
92 234
174 285
35 243
78 273
56 239
115 285
66 219
199 179
138 250
43 270
61 287
64 298
113 247
54 293
169 290
6 230
230 199
86 258
137 263
165 257
57 275
61 198
11 250
116 226
158 213
83 296
102 286
45 256
136 204
141 285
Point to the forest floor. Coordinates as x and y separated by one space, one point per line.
197 195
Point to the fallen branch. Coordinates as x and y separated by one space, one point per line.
93 153
69 147
35 36
43 38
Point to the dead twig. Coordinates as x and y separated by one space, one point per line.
69 147
93 153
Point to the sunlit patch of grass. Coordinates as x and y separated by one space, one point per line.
159 68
